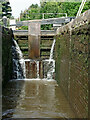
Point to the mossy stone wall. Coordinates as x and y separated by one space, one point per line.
72 63
7 36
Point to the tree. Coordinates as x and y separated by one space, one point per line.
0 10
6 9
71 8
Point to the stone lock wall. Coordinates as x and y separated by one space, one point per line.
72 63
6 54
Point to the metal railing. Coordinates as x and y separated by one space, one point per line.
43 14
81 8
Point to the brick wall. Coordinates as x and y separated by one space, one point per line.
72 53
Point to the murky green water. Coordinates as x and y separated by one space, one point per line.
35 99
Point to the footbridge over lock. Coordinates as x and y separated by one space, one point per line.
61 20
44 39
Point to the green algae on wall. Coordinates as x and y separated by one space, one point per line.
6 54
72 63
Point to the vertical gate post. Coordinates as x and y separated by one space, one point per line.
34 40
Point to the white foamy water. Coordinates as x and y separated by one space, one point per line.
51 62
37 62
18 62
48 64
52 49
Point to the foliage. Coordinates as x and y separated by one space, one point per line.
30 14
0 10
71 8
86 7
6 9
23 28
47 27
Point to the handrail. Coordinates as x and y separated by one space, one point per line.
81 8
43 14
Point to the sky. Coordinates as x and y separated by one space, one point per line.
18 5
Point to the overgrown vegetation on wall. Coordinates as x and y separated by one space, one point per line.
72 63
6 54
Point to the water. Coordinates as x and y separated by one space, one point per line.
18 62
45 67
49 68
37 62
51 62
19 67
52 49
35 99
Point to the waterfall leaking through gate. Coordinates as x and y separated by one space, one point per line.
37 69
18 62
32 69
